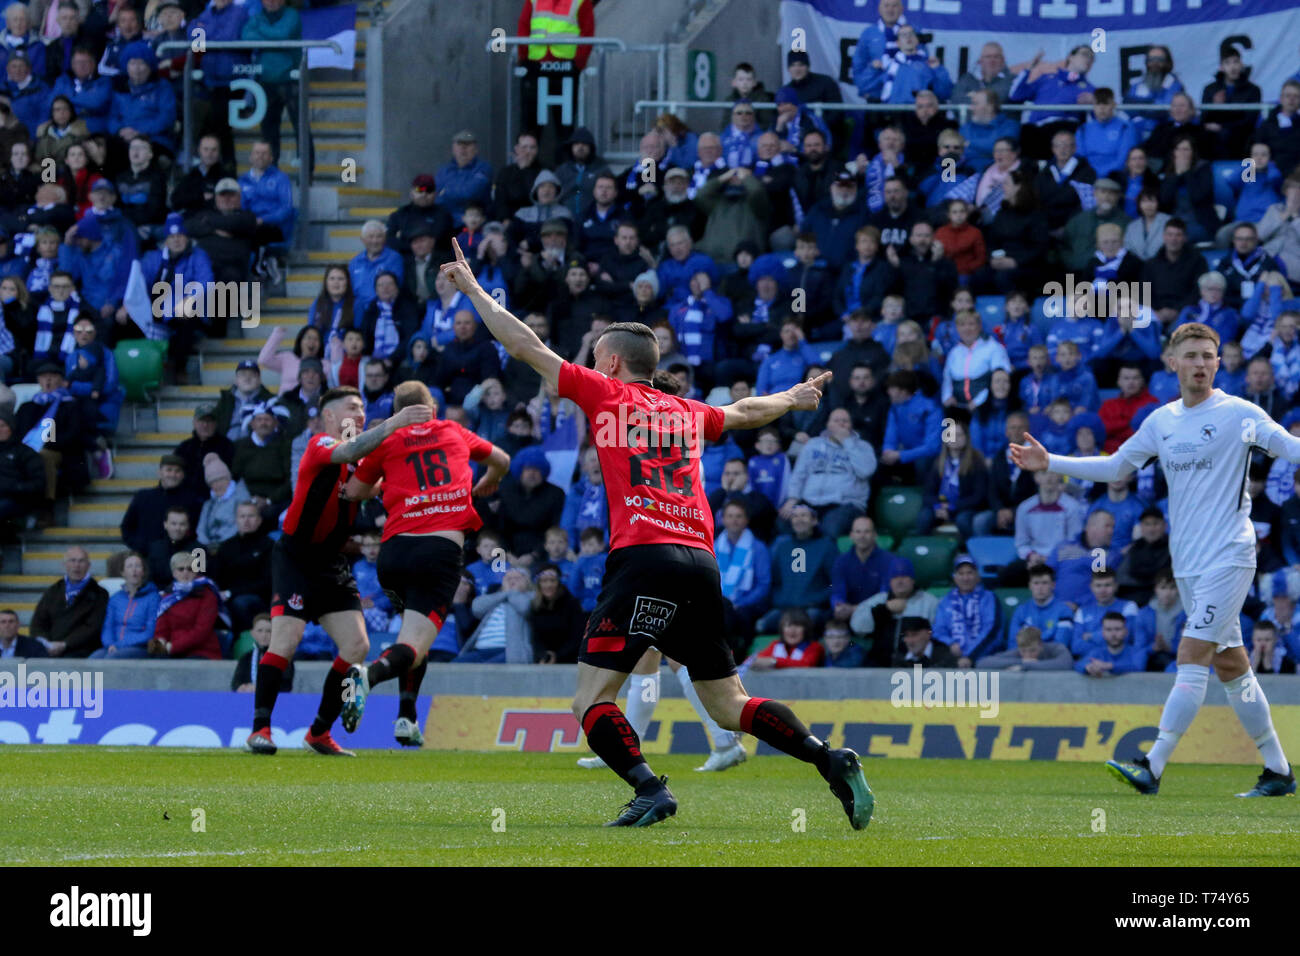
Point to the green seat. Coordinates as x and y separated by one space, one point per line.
140 368
896 510
940 591
242 645
760 642
1010 599
844 543
885 541
931 556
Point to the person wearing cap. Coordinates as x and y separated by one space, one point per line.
178 262
1106 138
513 187
968 620
276 21
90 93
217 521
262 458
204 440
29 96
99 267
1083 250
166 24
147 105
142 524
920 647
811 87
541 271
420 264
463 178
375 258
246 392
226 232
421 213
117 229
197 188
673 206
221 20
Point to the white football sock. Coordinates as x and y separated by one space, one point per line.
1251 706
722 739
1180 710
642 696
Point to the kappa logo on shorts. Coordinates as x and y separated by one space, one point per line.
651 617
295 601
606 625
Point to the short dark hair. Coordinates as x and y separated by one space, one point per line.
1151 512
591 533
906 379
635 344
736 503
1102 574
1038 570
340 392
1114 616
9 610
176 510
1176 222
1267 625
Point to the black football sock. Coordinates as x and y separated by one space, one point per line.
394 662
776 725
270 672
331 697
612 738
410 693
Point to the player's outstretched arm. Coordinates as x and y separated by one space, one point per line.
759 410
357 448
1032 456
517 338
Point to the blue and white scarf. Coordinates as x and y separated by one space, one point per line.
386 337
71 588
965 623
51 315
736 563
35 438
700 175
1107 269
180 591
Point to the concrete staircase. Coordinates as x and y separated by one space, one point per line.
332 216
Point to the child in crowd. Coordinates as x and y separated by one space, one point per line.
584 579
244 679
1017 332
962 242
1034 387
1073 381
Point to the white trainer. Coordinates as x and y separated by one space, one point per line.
723 759
591 763
407 732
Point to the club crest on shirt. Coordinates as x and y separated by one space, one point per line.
1208 431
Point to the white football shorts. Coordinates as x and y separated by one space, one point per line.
1213 604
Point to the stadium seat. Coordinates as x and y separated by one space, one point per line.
242 645
140 365
991 309
760 642
885 541
991 553
1214 257
939 592
896 510
844 542
932 556
1010 599
23 392
1106 394
1038 313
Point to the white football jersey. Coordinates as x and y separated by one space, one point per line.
1204 453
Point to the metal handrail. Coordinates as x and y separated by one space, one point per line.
558 39
304 108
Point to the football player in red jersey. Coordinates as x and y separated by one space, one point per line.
661 587
310 579
427 481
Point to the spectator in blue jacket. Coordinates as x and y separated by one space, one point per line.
1075 560
877 42
1072 381
1124 506
1156 87
913 431
1101 601
1127 339
100 268
29 96
910 70
464 178
266 192
1105 139
1084 331
177 263
840 651
366 265
585 504
802 581
1211 309
794 121
1044 610
968 619
585 580
985 125
92 379
132 612
19 38
745 567
836 219
677 269
222 20
91 95
1112 654
785 367
860 572
696 321
1160 623
148 106
1051 85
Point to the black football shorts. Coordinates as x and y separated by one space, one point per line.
309 588
420 573
667 596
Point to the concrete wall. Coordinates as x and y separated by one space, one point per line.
507 680
745 30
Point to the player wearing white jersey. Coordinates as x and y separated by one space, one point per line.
1203 442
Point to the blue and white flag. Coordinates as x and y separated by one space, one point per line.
331 23
140 307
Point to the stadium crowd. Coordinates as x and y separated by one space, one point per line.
911 255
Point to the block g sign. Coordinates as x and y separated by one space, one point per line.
246 112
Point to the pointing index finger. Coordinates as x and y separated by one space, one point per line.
460 256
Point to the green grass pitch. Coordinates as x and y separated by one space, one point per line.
94 805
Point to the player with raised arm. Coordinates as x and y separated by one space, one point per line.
1203 442
661 585
310 578
427 492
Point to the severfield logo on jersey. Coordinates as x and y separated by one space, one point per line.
1199 464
